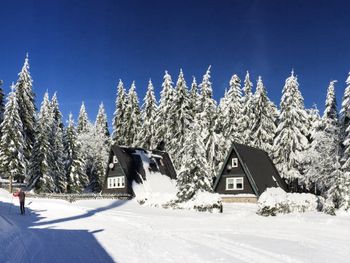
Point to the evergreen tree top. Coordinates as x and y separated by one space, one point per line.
132 94
206 88
24 74
55 108
181 82
167 83
194 86
83 119
331 103
150 103
70 121
248 85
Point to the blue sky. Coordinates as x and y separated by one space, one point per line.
81 48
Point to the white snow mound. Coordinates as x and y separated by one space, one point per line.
157 189
276 201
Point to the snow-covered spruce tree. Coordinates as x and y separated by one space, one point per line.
41 162
193 175
132 117
325 145
231 111
209 124
119 115
263 128
83 119
163 118
101 122
74 164
12 140
26 102
58 172
344 118
290 141
2 104
194 98
181 119
146 136
100 144
94 150
248 110
338 195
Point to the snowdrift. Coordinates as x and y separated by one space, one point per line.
276 201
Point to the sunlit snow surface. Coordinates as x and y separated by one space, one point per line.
124 231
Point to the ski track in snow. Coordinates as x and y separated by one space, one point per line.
123 231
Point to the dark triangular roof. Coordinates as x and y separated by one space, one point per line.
258 167
132 166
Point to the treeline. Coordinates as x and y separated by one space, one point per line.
310 151
37 149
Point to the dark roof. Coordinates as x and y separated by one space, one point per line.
130 160
257 165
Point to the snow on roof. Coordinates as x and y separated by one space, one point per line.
157 188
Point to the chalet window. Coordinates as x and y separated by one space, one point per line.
234 183
234 162
116 182
115 159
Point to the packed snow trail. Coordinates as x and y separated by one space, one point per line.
123 231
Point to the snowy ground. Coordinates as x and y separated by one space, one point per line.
122 231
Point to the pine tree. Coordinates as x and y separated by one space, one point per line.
58 172
26 102
163 119
181 119
324 148
207 109
100 145
83 119
248 110
193 175
101 123
194 98
12 140
74 164
344 117
231 110
2 104
41 162
119 128
290 141
263 128
132 117
339 192
146 136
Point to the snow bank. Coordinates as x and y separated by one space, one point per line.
276 201
157 189
203 201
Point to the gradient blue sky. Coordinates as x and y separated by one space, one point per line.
81 48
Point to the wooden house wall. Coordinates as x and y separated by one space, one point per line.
233 172
118 170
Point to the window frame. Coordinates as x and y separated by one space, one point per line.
234 162
234 181
116 182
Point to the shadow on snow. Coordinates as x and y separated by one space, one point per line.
22 242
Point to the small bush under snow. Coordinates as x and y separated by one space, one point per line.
201 201
276 201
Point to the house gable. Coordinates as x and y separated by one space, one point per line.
131 166
257 168
232 174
